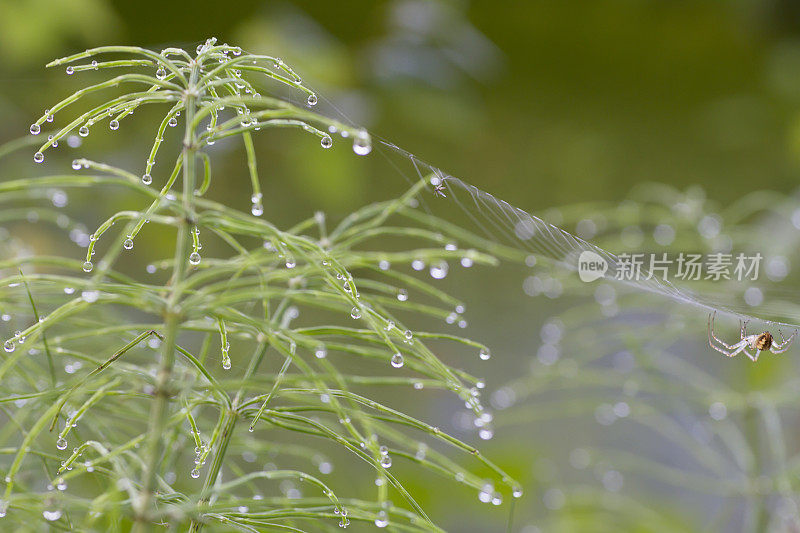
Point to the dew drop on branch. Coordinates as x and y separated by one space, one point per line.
76 165
312 99
397 360
35 129
361 143
194 258
87 266
83 131
61 443
147 179
485 354
38 157
381 519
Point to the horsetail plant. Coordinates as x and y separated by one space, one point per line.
213 359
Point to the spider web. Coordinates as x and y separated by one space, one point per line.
502 223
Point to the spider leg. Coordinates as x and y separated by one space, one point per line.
753 357
711 334
744 328
780 347
733 350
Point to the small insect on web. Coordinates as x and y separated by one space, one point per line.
757 343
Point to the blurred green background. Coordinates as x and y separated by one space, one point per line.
541 103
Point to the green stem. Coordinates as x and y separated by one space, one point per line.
172 317
216 466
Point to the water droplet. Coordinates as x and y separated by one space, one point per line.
517 493
3 508
226 363
128 244
485 494
114 124
439 270
355 313
83 131
49 117
195 473
397 360
87 266
386 461
321 352
381 519
194 258
326 141
35 129
312 99
70 70
61 443
9 346
61 484
257 209
361 143
38 157
161 73
90 296
172 122
485 354
76 165
408 335
147 179
290 262
51 516
402 295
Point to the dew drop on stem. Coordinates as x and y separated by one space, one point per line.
484 354
35 129
361 143
114 124
312 99
397 360
38 157
76 165
147 179
83 131
161 73
87 266
194 258
381 519
8 346
61 443
326 141
128 244
70 70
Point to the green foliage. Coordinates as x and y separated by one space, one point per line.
149 384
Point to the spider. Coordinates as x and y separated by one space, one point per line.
438 190
758 342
